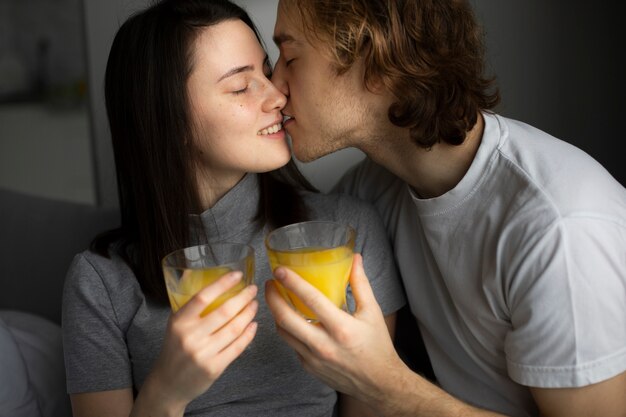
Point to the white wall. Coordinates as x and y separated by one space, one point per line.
557 65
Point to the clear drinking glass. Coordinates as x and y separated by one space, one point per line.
320 252
187 271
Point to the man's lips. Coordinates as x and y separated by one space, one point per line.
288 120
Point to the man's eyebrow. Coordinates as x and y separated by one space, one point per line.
236 70
282 38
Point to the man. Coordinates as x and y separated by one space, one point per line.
511 243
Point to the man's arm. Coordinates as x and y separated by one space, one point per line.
606 398
354 355
351 407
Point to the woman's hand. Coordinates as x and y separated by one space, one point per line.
196 350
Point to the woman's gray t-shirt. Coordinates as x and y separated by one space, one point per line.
112 334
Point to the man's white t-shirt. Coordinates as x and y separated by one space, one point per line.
517 276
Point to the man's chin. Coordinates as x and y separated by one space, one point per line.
309 153
305 155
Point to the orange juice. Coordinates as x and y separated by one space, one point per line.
326 269
192 281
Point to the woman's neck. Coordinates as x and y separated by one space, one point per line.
211 188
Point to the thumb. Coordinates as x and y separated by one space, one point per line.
361 289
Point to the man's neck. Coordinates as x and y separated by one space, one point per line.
430 172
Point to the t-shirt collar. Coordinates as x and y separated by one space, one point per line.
490 142
234 212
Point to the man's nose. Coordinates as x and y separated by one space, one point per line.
278 78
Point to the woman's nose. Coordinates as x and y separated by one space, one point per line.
275 100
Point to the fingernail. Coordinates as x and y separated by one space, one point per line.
235 276
253 289
280 274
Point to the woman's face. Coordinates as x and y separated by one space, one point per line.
235 108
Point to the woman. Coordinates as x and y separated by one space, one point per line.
196 129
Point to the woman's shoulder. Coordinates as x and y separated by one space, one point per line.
368 181
110 269
90 259
107 284
341 208
335 203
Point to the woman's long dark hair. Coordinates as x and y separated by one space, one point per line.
149 117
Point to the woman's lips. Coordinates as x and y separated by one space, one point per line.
270 130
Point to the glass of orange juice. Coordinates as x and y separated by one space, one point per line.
320 252
187 271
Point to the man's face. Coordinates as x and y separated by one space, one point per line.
327 111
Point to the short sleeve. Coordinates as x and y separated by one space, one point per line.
568 306
96 355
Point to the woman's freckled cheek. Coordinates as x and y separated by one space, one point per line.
240 109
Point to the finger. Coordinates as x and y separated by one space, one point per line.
313 361
219 317
288 319
228 333
325 311
221 361
276 303
361 288
300 348
196 305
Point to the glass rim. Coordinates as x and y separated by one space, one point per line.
351 232
249 252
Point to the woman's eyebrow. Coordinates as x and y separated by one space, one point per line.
236 70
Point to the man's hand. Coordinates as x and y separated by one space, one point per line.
354 354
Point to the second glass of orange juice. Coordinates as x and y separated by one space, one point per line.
187 271
320 252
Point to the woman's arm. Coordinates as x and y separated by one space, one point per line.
195 352
114 403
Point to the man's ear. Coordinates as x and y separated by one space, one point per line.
376 85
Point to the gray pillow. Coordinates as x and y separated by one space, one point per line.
32 354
